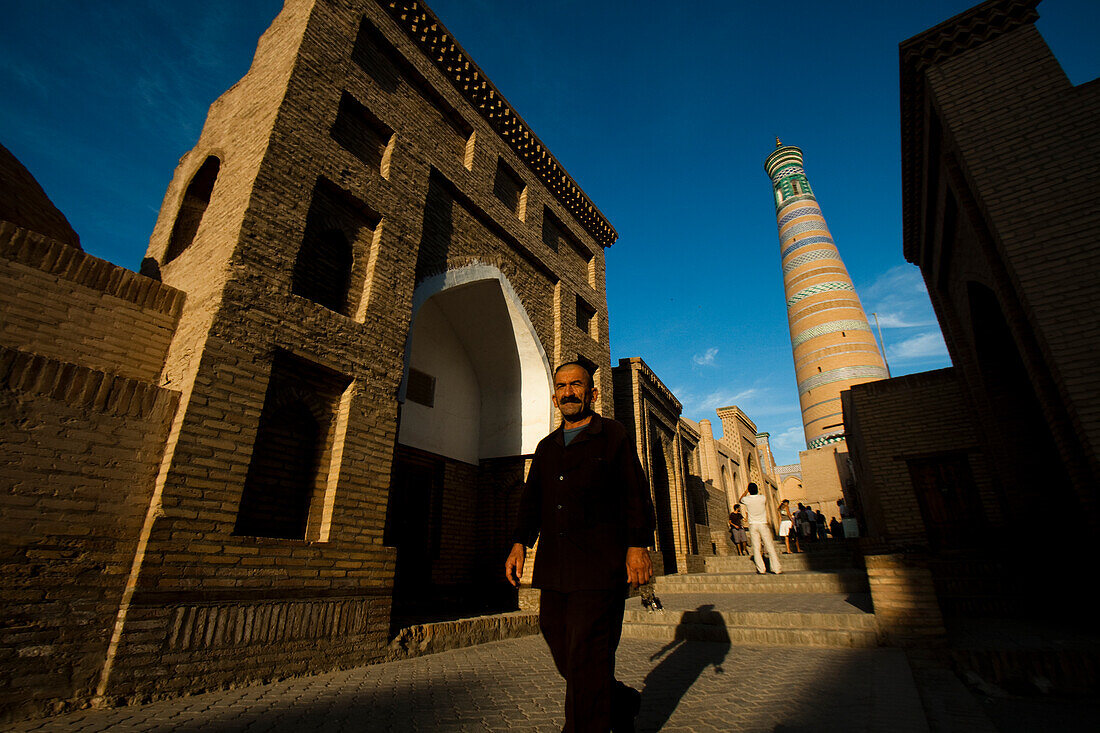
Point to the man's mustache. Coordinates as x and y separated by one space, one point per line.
568 400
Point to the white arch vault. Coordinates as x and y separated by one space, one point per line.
489 374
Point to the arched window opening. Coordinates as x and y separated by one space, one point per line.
192 208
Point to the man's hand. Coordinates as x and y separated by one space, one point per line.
639 568
513 566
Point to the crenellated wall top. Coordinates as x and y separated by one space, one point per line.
422 26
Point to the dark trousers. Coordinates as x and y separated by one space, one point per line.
582 629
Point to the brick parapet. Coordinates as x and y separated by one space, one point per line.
64 304
69 263
31 374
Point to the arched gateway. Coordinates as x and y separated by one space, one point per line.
475 398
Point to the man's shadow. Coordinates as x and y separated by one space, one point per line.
682 661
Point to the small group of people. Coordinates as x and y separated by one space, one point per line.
804 524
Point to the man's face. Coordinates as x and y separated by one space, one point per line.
573 394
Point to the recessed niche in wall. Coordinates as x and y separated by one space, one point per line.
331 265
363 135
510 189
389 70
555 234
586 317
591 366
421 388
291 467
192 208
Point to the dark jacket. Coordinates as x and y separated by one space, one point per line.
589 501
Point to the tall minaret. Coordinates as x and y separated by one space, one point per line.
834 347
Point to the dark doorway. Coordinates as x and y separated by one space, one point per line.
949 502
413 526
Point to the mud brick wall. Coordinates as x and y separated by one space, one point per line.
907 610
914 416
62 303
77 462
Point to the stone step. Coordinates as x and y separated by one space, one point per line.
795 581
817 620
754 636
796 561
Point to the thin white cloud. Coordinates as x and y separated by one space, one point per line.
899 299
787 444
898 320
706 358
923 346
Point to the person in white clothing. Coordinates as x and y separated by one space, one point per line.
756 509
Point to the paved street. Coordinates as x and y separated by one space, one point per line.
512 685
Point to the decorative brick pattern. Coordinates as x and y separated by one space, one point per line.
830 327
823 440
797 213
806 242
825 287
802 259
243 625
840 375
785 235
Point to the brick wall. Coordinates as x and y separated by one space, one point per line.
405 180
78 463
824 475
906 418
907 611
63 303
998 150
347 167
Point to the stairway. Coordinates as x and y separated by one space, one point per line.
820 600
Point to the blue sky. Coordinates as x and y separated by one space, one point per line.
662 112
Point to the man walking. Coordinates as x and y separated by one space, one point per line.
756 507
588 500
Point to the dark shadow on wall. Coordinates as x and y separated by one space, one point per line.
681 664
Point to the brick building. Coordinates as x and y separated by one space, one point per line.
998 148
695 479
308 417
